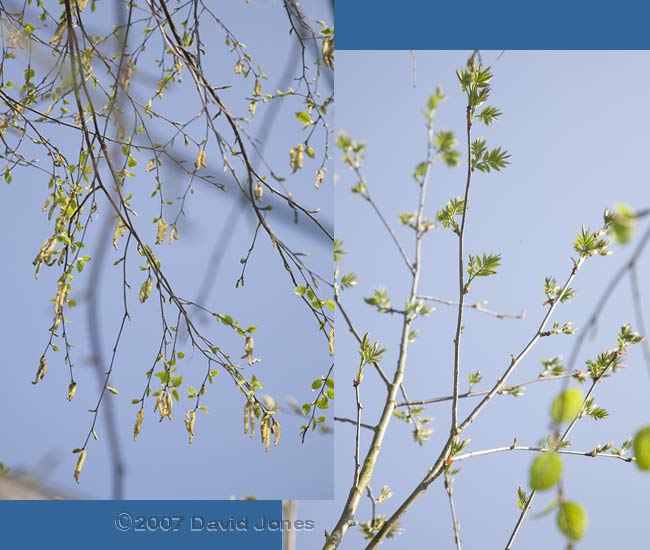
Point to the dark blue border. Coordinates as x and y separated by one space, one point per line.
496 24
99 525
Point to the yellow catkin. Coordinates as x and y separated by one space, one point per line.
296 157
265 432
138 424
251 419
120 229
330 341
246 423
249 347
161 234
258 192
276 431
168 405
173 234
145 289
72 389
59 300
160 406
42 370
80 465
200 160
190 418
320 175
327 49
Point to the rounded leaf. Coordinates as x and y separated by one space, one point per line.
545 471
566 405
642 448
572 520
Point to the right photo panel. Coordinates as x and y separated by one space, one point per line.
491 290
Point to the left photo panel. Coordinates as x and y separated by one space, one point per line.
166 227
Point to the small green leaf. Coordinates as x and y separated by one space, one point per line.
303 117
112 390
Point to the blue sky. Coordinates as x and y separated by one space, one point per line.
41 427
577 129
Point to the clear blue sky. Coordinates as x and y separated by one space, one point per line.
576 125
40 427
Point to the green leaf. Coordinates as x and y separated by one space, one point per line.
566 405
545 471
483 266
323 403
588 243
303 117
419 171
112 390
488 115
338 250
642 448
300 290
572 520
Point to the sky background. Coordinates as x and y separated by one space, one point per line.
576 126
40 427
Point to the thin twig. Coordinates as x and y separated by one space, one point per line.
638 313
452 507
354 422
591 454
462 290
352 502
478 306
506 391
